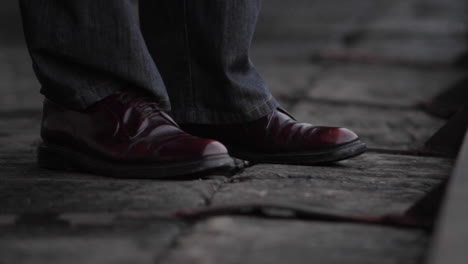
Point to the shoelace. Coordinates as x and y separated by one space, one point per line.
148 109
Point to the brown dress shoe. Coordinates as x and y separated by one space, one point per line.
278 138
125 135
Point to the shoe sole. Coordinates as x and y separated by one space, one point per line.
342 152
60 158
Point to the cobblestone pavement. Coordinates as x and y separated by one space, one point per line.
363 64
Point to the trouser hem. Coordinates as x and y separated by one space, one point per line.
90 95
206 116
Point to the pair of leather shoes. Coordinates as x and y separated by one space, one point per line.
127 135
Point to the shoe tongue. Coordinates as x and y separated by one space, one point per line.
128 97
143 101
133 98
282 116
169 118
285 113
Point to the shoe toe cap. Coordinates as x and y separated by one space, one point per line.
344 135
214 148
190 148
329 136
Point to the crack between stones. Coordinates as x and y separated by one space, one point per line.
301 94
410 152
209 199
186 230
383 106
188 226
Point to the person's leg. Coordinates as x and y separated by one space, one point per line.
202 50
104 111
85 50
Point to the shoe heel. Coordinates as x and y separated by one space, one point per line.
51 158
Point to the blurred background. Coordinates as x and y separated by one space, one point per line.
310 34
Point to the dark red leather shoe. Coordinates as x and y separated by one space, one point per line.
125 135
278 138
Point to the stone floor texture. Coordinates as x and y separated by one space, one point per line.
363 64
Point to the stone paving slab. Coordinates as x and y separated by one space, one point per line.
289 80
19 89
372 184
383 85
52 194
302 20
360 196
426 17
379 127
136 242
413 50
10 23
412 32
422 26
19 138
247 240
288 51
371 165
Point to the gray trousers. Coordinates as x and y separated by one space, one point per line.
192 56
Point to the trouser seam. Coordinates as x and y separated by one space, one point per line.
188 54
